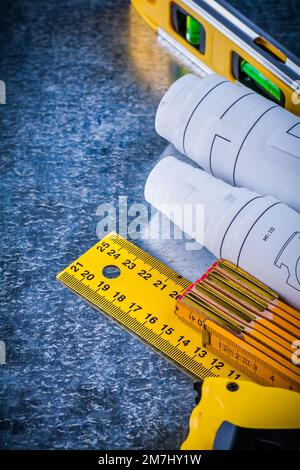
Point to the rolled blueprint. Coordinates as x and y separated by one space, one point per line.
257 233
235 134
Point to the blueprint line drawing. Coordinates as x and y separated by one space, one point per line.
286 259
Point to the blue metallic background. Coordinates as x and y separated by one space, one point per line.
84 78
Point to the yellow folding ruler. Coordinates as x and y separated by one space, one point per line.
140 293
224 325
245 323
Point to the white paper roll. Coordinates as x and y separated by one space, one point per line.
235 134
257 233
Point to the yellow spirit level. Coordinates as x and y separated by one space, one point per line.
219 39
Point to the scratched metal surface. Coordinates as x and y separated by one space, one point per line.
83 80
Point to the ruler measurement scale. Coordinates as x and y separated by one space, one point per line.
142 299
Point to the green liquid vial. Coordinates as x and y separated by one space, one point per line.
193 31
261 80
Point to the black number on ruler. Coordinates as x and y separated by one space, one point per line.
103 286
129 264
174 294
233 372
144 274
160 284
217 364
87 275
200 352
151 318
183 341
113 254
75 267
103 246
134 307
167 330
120 297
